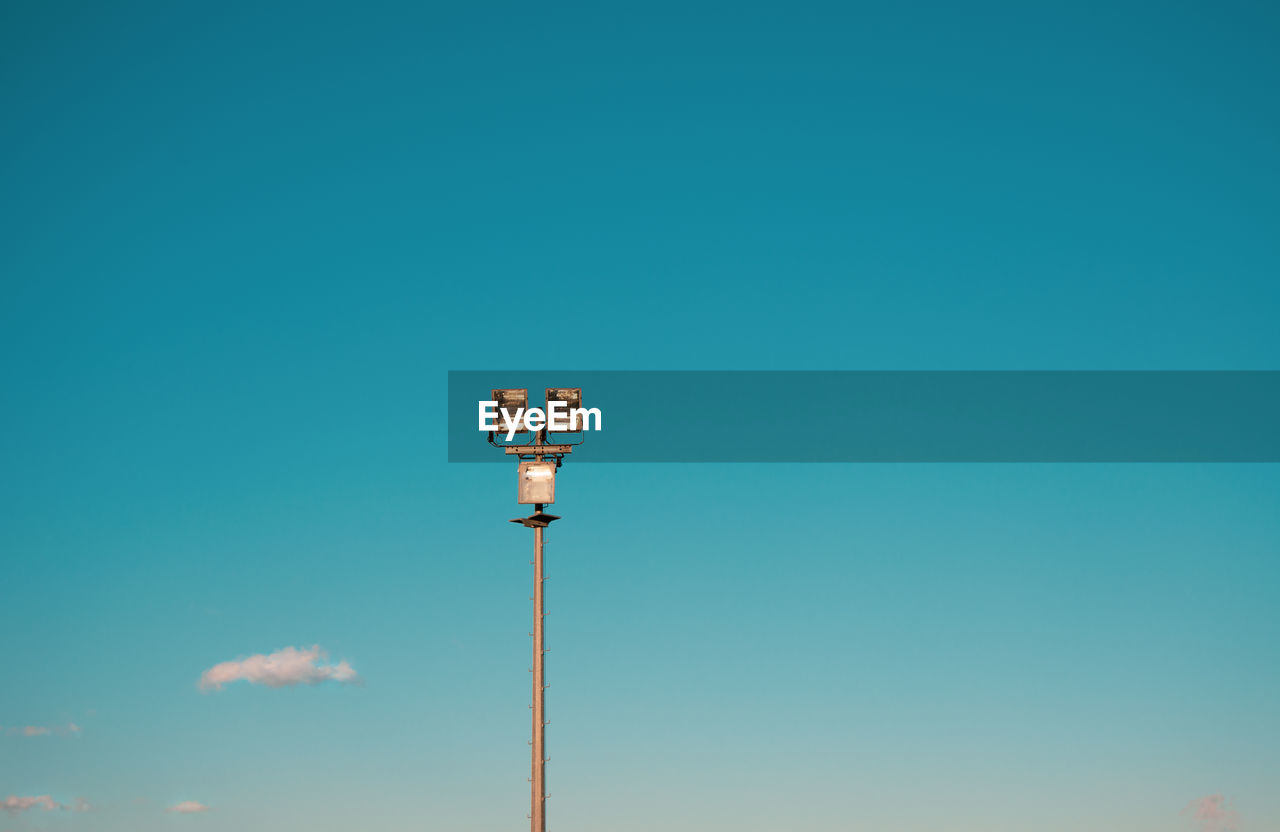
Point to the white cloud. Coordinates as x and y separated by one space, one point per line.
70 729
290 666
13 805
189 807
1213 813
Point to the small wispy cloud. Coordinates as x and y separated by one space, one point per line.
69 729
14 804
189 807
1213 813
290 666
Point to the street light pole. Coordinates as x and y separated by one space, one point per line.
536 476
538 815
538 521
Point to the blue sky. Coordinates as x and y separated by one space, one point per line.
242 247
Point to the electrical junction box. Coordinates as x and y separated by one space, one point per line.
537 483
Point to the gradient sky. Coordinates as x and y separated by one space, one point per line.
243 245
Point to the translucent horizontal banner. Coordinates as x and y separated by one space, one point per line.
891 416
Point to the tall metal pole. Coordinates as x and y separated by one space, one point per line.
539 797
538 521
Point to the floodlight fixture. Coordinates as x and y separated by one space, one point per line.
537 483
511 400
571 397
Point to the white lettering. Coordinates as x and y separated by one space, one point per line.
488 415
557 416
512 421
582 415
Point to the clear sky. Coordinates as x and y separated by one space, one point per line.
243 243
